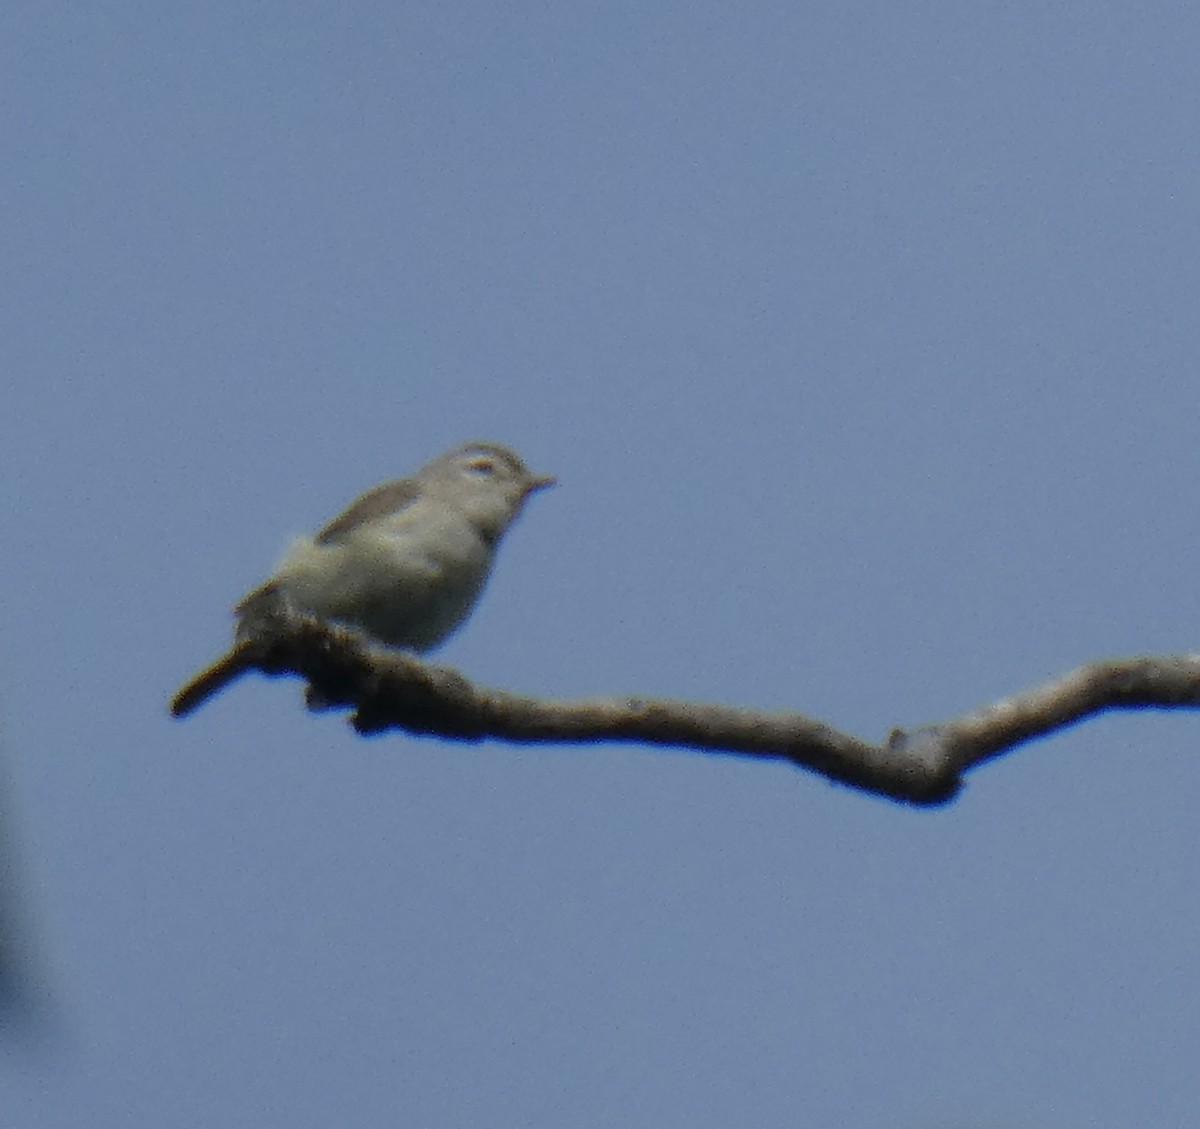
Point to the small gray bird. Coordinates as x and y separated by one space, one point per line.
405 563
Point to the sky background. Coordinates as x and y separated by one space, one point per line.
864 339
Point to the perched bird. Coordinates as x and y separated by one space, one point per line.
405 563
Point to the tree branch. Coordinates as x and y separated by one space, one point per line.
390 689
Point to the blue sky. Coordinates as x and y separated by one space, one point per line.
864 342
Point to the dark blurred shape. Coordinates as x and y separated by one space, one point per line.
28 1016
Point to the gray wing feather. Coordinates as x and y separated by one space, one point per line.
383 501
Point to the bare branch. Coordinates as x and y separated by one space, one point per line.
390 689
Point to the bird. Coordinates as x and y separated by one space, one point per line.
405 563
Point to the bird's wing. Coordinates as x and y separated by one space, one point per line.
383 501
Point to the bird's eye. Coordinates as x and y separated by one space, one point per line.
485 468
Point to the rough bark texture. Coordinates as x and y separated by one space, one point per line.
389 689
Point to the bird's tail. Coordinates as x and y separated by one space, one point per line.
196 691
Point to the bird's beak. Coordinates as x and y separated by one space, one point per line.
540 482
